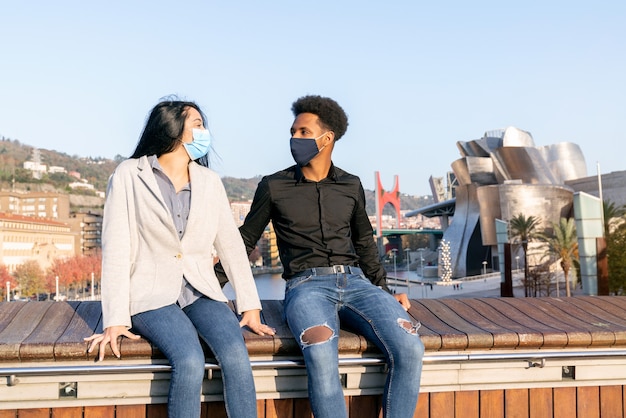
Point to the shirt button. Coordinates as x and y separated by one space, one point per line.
179 256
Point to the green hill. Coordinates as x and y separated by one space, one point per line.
96 171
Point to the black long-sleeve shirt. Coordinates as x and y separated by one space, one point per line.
317 224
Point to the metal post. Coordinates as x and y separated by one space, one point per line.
394 262
517 260
484 268
8 291
56 296
92 294
395 274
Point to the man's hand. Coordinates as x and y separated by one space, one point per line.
403 299
252 319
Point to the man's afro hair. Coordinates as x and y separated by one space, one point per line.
331 115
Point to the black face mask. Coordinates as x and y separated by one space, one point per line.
304 150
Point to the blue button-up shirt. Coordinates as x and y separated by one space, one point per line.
178 205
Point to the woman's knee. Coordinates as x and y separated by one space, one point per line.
188 360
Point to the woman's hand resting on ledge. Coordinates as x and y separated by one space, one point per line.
251 319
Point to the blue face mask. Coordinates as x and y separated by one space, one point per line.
199 147
303 150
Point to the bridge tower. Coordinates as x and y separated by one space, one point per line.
382 198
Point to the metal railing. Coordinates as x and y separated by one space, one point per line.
534 359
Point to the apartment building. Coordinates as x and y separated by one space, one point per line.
25 238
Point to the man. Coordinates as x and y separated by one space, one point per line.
331 264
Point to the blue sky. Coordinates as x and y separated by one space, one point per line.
414 77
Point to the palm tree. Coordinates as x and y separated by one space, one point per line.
523 229
562 242
613 216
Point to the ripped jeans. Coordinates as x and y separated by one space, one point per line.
314 307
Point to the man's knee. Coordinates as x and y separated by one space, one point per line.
408 326
317 334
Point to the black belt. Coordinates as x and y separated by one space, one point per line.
323 271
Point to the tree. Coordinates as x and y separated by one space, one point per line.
616 248
30 278
615 235
5 277
523 229
613 216
73 272
562 242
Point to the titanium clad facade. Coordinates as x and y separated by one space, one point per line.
501 176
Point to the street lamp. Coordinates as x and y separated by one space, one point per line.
56 296
517 260
92 294
421 251
395 275
408 257
8 291
484 268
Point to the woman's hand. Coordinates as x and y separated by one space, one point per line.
109 337
252 319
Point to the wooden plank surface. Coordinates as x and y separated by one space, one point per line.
608 310
580 332
501 336
466 404
283 341
588 402
540 403
302 408
68 412
525 315
492 403
611 402
456 315
35 331
565 402
504 321
8 310
130 411
440 405
39 345
21 326
34 413
84 323
516 403
449 338
423 406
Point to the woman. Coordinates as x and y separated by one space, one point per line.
165 213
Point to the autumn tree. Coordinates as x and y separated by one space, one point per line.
5 277
74 272
30 278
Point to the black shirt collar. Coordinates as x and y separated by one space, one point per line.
299 176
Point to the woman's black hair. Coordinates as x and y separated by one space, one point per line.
164 129
330 114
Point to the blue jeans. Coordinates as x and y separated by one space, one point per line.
175 332
314 308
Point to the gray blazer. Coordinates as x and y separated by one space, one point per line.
143 260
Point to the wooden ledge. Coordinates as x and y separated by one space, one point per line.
54 331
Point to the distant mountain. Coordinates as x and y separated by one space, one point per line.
96 171
243 190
